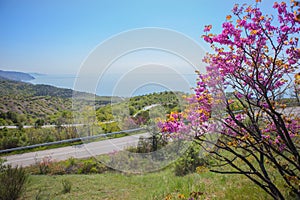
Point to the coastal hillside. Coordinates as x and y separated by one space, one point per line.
12 87
16 76
25 103
30 102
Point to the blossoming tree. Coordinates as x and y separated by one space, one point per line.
255 58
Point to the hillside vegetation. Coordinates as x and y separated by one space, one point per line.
36 105
25 103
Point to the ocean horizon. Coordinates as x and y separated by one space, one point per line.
116 85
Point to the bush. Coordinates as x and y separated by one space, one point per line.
44 165
189 162
147 145
66 186
12 182
70 166
91 166
40 195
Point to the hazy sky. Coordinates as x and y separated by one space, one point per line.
55 36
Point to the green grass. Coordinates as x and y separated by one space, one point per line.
158 185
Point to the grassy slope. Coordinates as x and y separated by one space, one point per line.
157 185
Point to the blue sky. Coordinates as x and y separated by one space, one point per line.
56 36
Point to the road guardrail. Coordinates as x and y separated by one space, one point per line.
70 140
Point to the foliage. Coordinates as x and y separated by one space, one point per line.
131 113
71 166
28 102
10 138
44 165
91 166
37 105
39 123
148 144
255 56
10 87
41 194
12 182
67 185
110 127
190 161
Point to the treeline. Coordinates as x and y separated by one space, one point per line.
11 118
10 138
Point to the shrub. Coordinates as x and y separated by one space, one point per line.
70 166
67 185
86 167
44 165
91 166
41 194
57 169
189 162
12 182
147 145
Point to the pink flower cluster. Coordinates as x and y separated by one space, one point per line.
271 135
253 56
174 123
196 115
249 45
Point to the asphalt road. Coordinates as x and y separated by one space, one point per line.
77 151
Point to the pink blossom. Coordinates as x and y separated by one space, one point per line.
207 28
244 60
285 28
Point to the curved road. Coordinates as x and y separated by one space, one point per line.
77 151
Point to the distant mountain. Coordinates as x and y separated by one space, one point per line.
16 76
18 88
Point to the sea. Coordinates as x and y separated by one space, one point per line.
120 85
